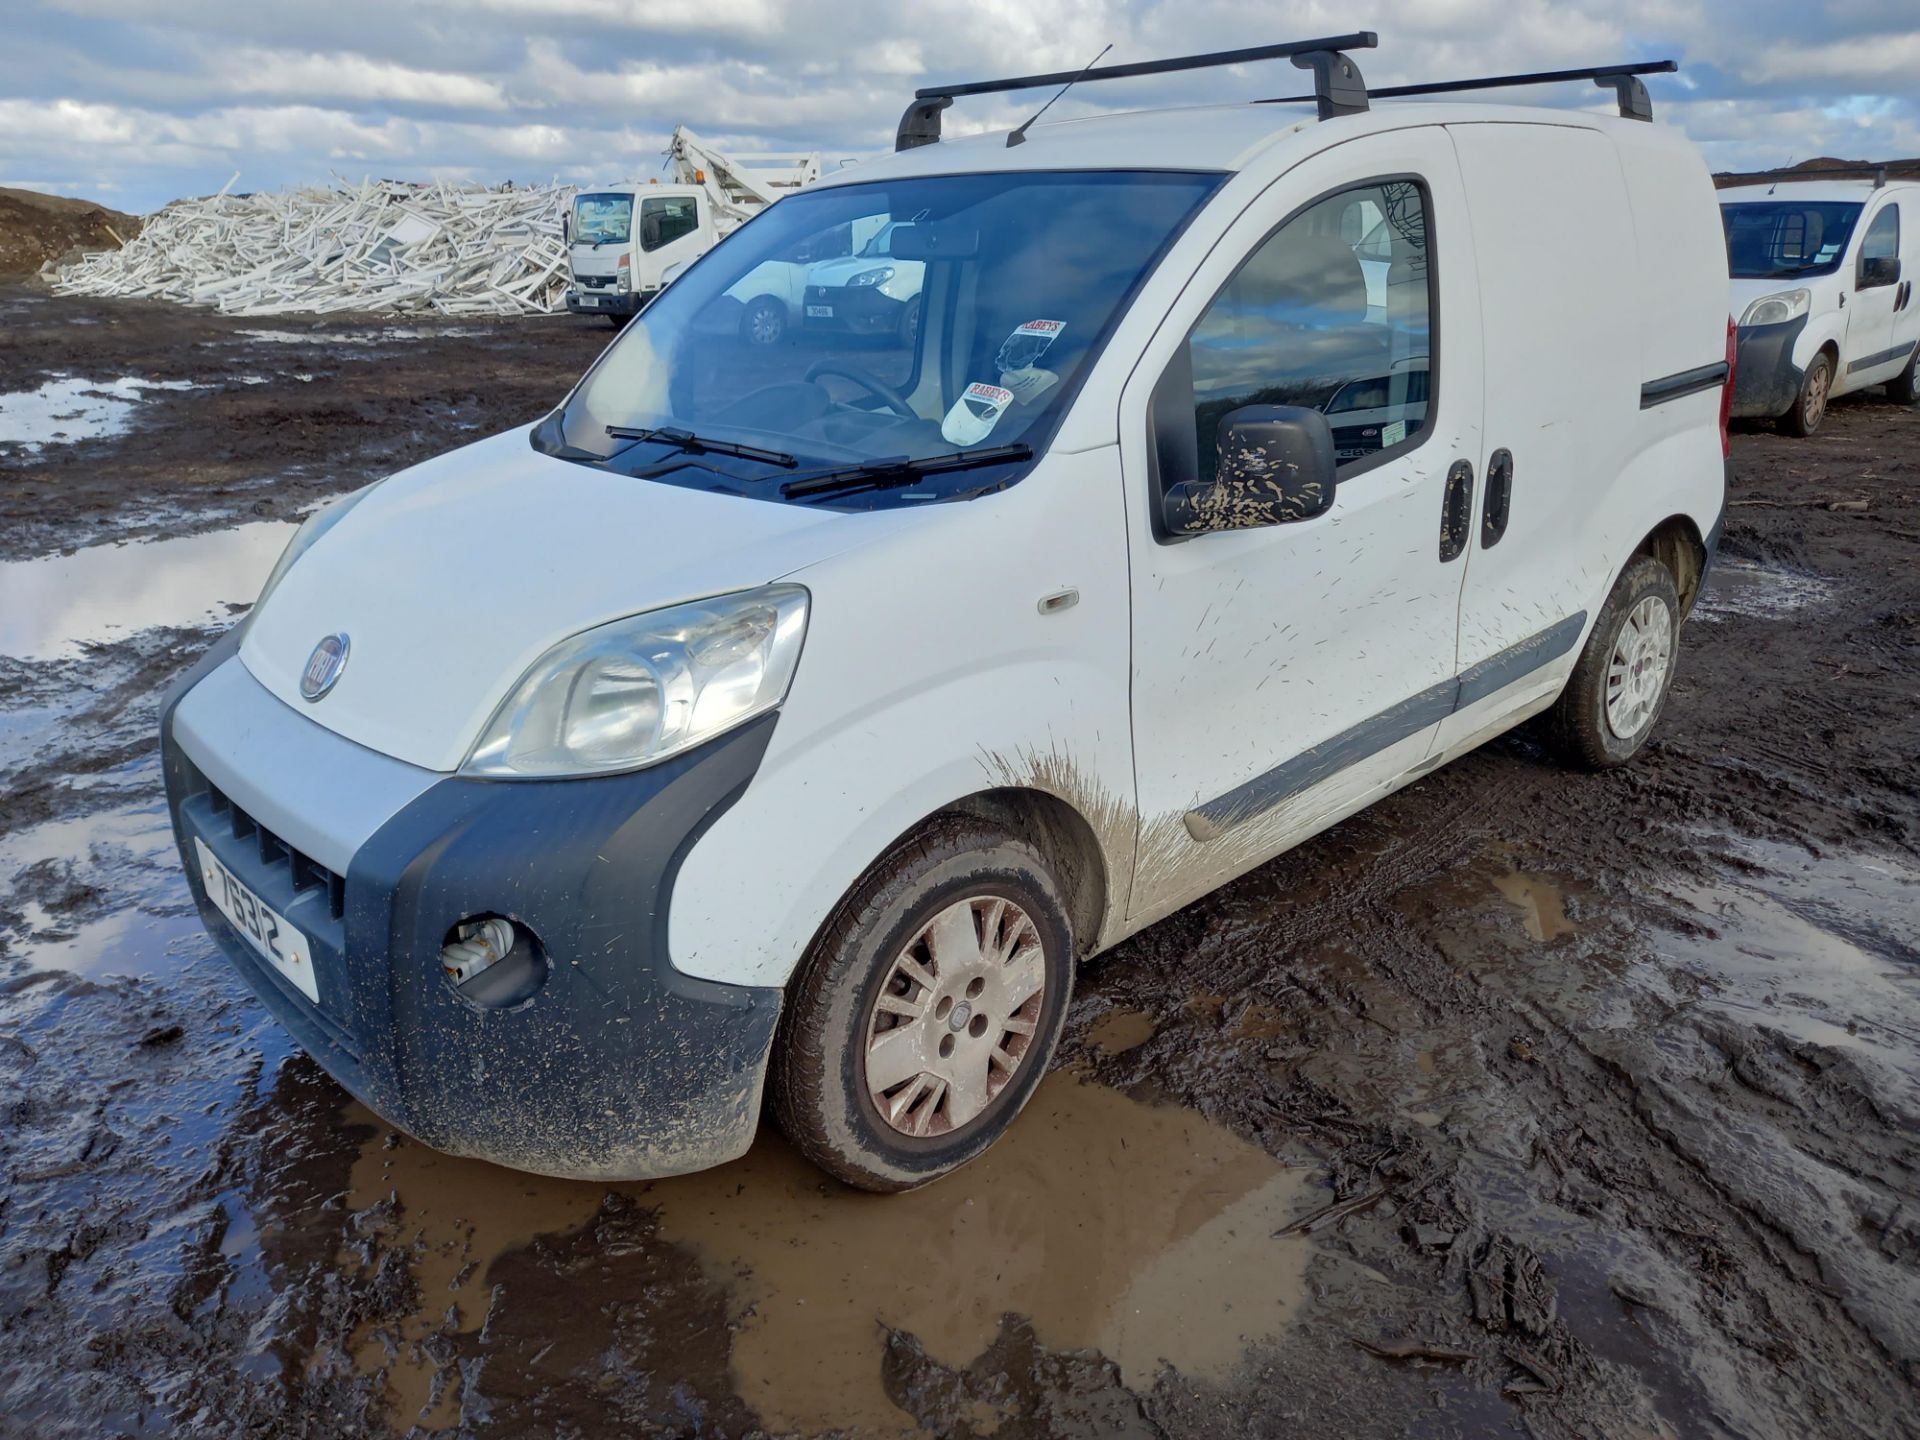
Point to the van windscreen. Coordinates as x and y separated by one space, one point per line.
1778 239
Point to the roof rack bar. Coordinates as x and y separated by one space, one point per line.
1622 79
1876 168
921 123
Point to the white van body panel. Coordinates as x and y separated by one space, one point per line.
410 576
927 678
1870 333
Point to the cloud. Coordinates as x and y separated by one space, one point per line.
143 102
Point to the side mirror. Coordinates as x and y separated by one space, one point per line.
1880 270
1276 466
566 226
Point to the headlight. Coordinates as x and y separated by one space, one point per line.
1772 309
879 275
310 531
636 691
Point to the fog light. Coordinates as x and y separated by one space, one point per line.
478 945
494 962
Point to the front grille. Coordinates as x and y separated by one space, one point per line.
596 282
307 873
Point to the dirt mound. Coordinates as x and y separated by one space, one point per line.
36 228
1823 167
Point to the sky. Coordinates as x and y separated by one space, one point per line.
135 102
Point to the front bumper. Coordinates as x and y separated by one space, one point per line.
856 310
618 1067
1766 382
607 302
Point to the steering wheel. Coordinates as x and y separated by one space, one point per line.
896 402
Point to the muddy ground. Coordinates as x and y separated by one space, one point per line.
1525 1103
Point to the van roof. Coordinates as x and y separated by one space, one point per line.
1202 137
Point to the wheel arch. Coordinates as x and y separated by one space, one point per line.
1063 835
1675 542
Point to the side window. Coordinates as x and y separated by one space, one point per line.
1882 241
1332 312
665 218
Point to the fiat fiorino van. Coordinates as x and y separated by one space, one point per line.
784 723
1823 273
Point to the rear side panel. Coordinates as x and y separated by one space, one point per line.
1603 279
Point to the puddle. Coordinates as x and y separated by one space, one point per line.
68 409
52 606
1141 1231
1542 906
1758 592
1822 950
1118 1031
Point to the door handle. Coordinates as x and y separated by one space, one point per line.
1499 501
1456 511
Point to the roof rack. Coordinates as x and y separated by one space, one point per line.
1876 168
1623 80
1337 84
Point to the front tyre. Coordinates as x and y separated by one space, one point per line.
927 1011
1904 388
1810 405
1619 685
764 323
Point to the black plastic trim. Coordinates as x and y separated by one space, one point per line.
1388 727
1766 382
1884 357
1682 383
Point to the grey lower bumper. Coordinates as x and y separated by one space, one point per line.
617 1067
1766 382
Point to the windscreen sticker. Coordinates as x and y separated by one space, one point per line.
1024 347
975 413
1393 434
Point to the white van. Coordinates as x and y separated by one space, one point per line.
1823 288
795 718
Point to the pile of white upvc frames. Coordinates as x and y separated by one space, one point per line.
382 246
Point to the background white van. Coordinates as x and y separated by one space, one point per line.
1822 286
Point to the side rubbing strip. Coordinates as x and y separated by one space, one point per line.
1885 357
1323 761
1516 662
1375 733
1686 382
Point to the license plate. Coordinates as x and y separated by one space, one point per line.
279 944
589 299
819 312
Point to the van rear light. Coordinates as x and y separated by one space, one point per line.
1726 390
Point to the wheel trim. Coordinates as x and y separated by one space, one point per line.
765 324
1815 404
955 1016
1637 668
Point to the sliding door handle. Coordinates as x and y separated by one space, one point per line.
1456 511
1499 502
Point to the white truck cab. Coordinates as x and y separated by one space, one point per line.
820 707
626 243
1822 275
623 240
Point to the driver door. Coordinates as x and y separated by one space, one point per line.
1285 675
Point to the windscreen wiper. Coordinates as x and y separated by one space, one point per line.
901 470
699 444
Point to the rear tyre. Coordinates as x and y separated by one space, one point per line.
764 323
1810 405
1904 388
910 323
927 1011
1619 686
